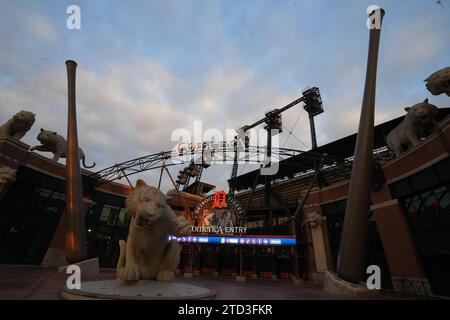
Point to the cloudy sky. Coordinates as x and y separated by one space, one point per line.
149 67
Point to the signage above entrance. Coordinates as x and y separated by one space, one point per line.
219 214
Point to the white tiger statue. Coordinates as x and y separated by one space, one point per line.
18 125
51 141
418 123
439 82
148 254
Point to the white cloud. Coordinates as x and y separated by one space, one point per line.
412 45
114 121
40 27
131 108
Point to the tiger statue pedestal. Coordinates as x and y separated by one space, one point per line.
139 290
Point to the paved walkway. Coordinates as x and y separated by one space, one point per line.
31 282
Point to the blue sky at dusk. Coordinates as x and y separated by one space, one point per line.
149 67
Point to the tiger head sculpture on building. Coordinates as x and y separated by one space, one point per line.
439 82
419 122
18 125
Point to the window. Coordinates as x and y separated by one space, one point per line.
425 179
443 170
113 216
429 208
122 220
425 198
401 188
107 224
104 216
29 215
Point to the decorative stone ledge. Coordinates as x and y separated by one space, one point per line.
335 285
413 286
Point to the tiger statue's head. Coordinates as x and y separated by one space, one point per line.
25 117
46 137
148 206
439 82
422 113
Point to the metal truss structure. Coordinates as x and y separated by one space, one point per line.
204 157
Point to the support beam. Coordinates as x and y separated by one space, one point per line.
313 131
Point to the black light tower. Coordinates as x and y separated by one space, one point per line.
313 105
273 120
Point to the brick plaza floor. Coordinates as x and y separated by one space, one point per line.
32 282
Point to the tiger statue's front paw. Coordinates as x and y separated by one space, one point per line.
183 227
165 275
128 273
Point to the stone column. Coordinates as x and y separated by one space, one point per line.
314 222
404 264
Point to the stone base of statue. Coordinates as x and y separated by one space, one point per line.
138 290
333 284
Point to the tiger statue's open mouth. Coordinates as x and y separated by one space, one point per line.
141 222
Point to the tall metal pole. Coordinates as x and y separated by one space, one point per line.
75 228
352 251
313 131
268 179
294 252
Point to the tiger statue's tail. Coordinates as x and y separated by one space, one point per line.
83 159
